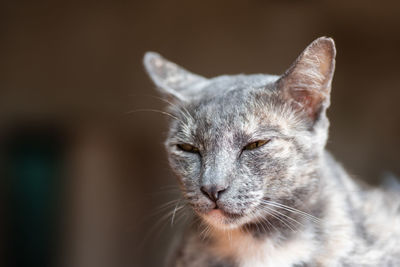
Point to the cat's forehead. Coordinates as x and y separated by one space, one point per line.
232 106
223 108
237 112
230 94
221 85
225 99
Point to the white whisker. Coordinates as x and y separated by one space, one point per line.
290 209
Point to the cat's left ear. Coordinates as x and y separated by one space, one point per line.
307 83
171 79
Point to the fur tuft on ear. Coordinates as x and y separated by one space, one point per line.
170 78
307 82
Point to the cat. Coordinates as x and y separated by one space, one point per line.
249 154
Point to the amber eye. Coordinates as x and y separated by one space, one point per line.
188 148
255 144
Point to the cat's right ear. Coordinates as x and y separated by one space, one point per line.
171 79
307 83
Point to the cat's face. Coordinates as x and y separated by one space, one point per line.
239 142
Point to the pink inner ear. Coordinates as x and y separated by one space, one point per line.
306 84
308 101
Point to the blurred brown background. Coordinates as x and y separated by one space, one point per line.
70 72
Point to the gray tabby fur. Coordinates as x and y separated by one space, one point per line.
286 203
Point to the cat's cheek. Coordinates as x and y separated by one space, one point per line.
187 164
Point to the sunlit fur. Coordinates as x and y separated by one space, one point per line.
286 203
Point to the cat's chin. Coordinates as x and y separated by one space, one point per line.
221 219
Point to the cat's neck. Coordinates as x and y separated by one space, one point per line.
248 250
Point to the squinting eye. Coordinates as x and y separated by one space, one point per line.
255 144
188 148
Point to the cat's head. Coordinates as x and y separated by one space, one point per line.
238 142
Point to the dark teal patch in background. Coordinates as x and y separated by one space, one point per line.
33 170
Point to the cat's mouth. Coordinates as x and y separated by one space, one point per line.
221 218
230 215
218 209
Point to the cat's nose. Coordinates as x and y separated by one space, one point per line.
213 192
